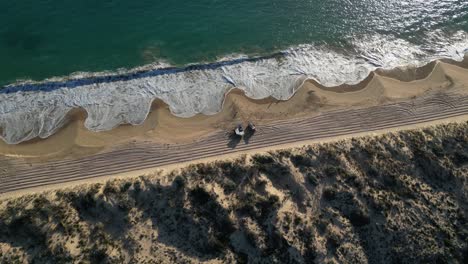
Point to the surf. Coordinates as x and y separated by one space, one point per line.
31 109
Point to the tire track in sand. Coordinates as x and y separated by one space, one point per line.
145 155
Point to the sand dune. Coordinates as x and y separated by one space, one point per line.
394 198
161 126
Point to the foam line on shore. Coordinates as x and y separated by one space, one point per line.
29 110
161 127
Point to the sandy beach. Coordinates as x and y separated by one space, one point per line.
434 94
312 99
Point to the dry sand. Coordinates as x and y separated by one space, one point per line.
311 99
165 169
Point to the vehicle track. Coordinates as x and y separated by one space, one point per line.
144 155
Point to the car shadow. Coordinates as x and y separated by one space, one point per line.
234 140
249 132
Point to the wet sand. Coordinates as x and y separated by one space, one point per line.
314 114
312 99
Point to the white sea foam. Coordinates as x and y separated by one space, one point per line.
30 110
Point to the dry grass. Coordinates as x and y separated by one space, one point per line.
396 198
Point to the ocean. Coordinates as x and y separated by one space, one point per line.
114 57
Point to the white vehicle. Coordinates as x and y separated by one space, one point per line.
239 130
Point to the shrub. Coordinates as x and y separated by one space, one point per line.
109 188
333 171
459 159
301 161
312 178
178 183
358 218
200 196
329 193
125 186
262 159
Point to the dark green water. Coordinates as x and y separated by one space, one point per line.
46 38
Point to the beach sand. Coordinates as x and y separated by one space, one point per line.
381 87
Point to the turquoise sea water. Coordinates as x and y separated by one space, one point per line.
57 56
45 38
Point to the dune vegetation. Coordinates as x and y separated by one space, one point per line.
395 198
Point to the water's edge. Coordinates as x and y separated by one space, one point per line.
38 109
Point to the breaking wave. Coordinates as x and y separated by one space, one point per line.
39 109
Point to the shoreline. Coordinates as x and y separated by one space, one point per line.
161 126
21 173
40 109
